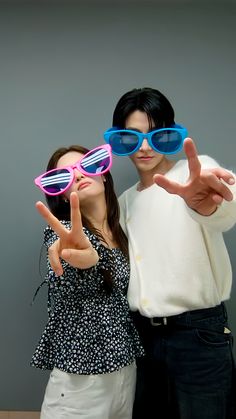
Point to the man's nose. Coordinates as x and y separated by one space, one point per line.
145 146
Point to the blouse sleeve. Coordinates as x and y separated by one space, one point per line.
72 278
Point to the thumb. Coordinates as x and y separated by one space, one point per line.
82 259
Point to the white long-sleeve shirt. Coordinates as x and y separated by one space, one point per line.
179 260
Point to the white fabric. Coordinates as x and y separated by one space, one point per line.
105 396
178 258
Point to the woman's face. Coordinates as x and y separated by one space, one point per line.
85 186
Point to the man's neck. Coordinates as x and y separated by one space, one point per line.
146 178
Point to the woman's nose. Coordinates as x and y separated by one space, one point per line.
145 146
78 175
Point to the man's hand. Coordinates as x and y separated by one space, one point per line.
73 245
204 189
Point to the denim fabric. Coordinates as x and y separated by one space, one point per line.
188 371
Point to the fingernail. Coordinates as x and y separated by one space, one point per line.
231 180
58 273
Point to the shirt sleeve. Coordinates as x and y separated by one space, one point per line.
224 218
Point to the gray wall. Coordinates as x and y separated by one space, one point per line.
63 67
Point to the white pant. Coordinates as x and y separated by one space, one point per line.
104 396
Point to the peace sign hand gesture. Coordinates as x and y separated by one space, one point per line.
72 245
204 189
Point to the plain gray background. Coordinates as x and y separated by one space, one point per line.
63 68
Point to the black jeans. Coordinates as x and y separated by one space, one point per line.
188 371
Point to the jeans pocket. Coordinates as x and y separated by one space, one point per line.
213 338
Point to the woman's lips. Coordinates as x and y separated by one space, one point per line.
83 185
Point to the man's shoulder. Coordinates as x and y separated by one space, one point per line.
181 168
204 160
131 190
208 161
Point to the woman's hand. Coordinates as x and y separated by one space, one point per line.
204 189
73 245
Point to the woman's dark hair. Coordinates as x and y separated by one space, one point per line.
148 100
61 209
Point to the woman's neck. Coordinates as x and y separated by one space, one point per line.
95 213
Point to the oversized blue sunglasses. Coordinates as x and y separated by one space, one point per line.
164 140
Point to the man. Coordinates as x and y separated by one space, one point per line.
181 275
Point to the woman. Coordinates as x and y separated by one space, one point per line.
89 342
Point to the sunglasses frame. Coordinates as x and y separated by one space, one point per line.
148 136
71 168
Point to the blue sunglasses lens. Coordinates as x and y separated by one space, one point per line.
167 142
123 143
126 142
96 161
56 181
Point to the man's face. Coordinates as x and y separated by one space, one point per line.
145 159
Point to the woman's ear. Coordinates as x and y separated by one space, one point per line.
64 199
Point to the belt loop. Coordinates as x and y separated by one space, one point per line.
154 323
188 318
224 311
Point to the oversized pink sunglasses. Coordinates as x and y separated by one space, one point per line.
94 163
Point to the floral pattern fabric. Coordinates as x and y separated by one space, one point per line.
89 330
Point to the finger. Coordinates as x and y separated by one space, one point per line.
82 259
225 175
76 222
194 164
208 207
217 199
218 187
50 219
75 212
54 259
169 185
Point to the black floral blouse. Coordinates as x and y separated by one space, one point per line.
89 330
